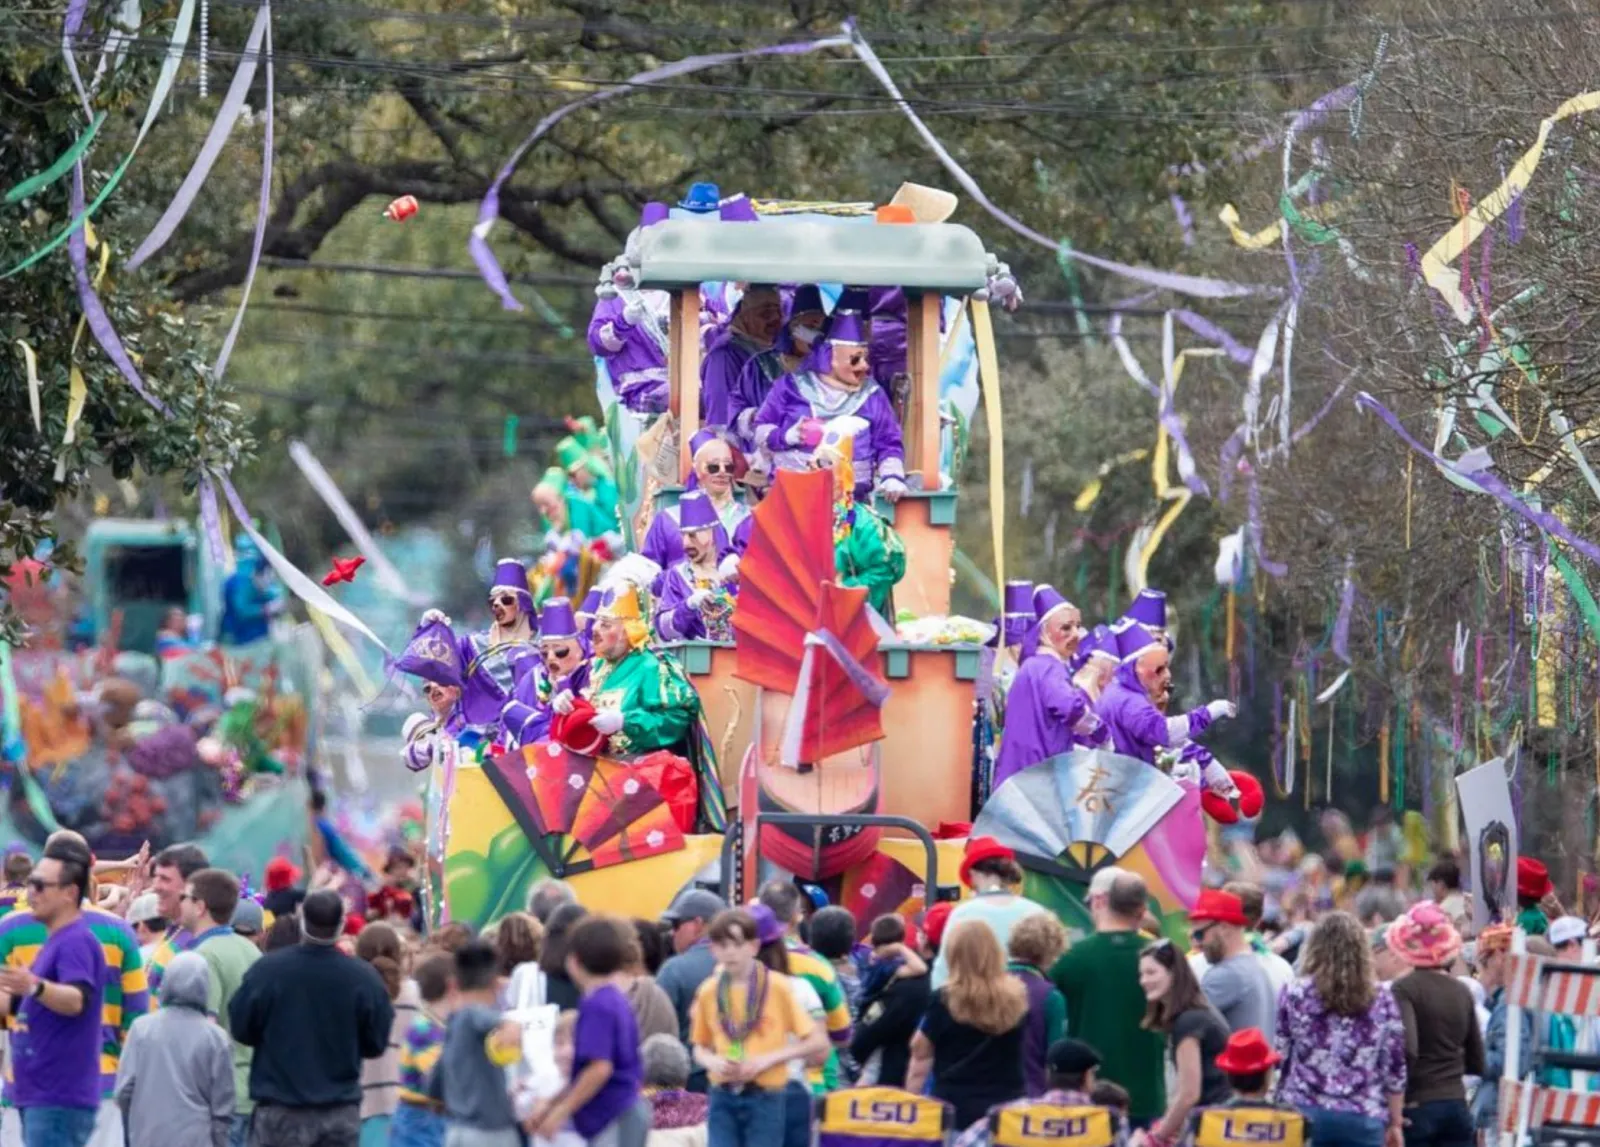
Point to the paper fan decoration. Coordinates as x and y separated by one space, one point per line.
1084 797
798 632
582 813
880 886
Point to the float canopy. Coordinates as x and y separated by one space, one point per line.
919 256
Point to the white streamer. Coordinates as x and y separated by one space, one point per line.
322 482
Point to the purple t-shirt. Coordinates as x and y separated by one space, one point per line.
606 1030
55 1058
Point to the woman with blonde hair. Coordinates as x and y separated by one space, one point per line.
1342 1041
972 1035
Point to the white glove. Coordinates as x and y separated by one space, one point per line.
892 489
791 436
1219 709
607 721
562 702
728 567
434 615
698 598
634 312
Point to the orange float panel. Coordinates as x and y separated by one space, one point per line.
925 523
927 756
729 704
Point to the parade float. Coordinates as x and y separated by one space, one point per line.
158 701
851 752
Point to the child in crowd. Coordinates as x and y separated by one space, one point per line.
894 995
469 1079
418 1120
18 867
602 1098
1105 1093
741 1024
1036 943
1250 1116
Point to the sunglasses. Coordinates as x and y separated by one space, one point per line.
503 599
558 652
857 360
719 467
1160 949
39 884
432 691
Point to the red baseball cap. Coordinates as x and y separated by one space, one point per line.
1217 907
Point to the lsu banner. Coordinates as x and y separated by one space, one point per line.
1036 1124
1240 1126
868 1116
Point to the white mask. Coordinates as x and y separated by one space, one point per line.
804 337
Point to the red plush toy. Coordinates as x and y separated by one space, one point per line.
575 731
1248 803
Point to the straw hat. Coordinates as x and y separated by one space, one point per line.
927 204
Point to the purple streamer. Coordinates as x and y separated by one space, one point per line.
1211 332
1185 219
489 209
99 323
1168 280
1514 226
1484 298
263 203
1228 464
1486 481
221 128
70 27
210 520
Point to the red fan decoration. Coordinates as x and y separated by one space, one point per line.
583 813
798 632
879 886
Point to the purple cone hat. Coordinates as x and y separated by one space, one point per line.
1149 609
1018 612
1046 601
1133 640
701 440
807 297
591 604
652 214
695 512
846 329
556 621
513 575
738 209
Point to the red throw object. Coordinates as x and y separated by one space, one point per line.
344 569
672 777
601 551
575 730
1251 799
401 209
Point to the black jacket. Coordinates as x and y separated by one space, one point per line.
312 1014
888 1021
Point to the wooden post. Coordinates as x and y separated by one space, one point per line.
922 410
683 368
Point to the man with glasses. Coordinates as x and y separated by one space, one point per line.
56 1004
1234 981
489 664
711 457
564 657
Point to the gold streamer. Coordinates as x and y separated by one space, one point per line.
1383 763
989 373
340 648
1166 490
1090 493
33 385
1410 458
1436 264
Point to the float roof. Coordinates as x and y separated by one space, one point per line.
919 256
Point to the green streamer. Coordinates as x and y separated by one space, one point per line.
1580 593
60 167
1074 289
83 217
510 442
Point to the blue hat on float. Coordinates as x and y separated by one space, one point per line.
652 214
1133 641
1046 601
1149 609
738 209
703 198
556 621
